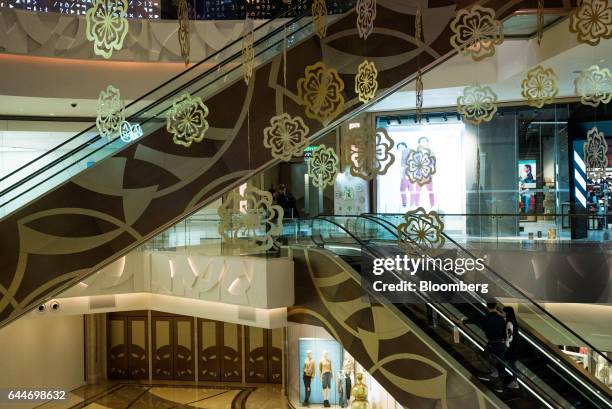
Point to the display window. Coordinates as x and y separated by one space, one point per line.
428 171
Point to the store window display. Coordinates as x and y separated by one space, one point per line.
319 357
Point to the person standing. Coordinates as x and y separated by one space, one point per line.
286 200
494 327
511 343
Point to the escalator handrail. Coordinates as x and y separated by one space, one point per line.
446 313
97 137
184 72
372 216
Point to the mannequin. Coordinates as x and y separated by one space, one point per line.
360 393
349 368
340 389
325 371
307 374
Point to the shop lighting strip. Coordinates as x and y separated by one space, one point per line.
558 362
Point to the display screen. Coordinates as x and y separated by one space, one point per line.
527 182
149 9
444 191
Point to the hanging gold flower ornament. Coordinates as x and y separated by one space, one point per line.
319 17
418 84
286 136
323 167
592 21
366 14
540 21
183 31
368 152
540 86
107 25
186 120
422 229
320 91
248 53
594 86
477 104
250 220
110 113
596 154
420 166
476 32
366 82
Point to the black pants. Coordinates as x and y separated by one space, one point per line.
497 353
307 380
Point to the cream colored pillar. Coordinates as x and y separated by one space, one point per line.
95 348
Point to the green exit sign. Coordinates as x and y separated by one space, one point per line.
308 151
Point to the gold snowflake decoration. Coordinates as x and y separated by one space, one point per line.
422 229
477 104
366 83
540 86
320 91
107 25
183 31
476 32
592 21
186 120
366 14
319 17
368 152
596 154
286 136
323 167
110 113
249 220
594 86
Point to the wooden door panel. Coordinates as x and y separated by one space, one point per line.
117 363
184 362
162 350
138 351
231 353
210 340
256 354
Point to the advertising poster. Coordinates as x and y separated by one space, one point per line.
527 185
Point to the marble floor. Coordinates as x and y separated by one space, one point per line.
172 395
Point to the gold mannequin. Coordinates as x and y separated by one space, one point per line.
360 394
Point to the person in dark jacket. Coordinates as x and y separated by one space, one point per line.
286 200
511 343
494 327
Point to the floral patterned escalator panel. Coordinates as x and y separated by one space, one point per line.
66 234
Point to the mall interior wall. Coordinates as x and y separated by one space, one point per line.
42 352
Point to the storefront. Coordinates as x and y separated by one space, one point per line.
311 350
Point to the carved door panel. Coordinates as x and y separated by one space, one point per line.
138 353
183 351
231 362
117 362
256 344
210 349
162 340
275 355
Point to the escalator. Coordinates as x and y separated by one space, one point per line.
547 377
65 216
